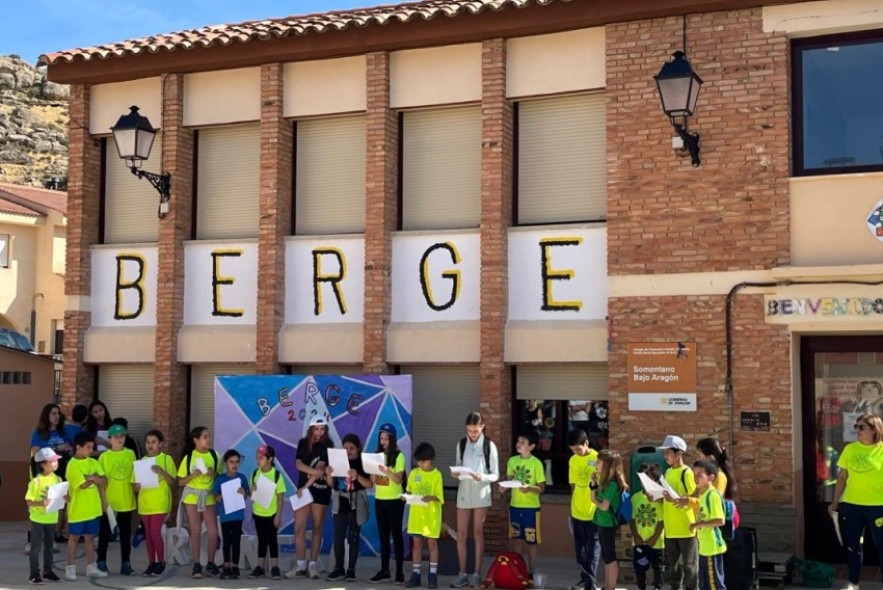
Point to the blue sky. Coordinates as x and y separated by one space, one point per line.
29 28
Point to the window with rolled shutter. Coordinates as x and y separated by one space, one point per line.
228 182
443 396
202 391
441 168
330 176
325 370
562 159
562 382
128 391
130 204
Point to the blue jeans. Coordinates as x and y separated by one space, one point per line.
854 520
588 550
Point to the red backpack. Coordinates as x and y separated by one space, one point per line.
508 572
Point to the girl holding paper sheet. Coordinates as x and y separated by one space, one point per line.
155 504
349 506
99 420
388 505
267 517
42 523
197 474
231 520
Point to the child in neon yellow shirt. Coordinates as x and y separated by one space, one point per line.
681 549
118 464
424 521
707 527
524 505
586 543
87 504
648 531
155 504
42 523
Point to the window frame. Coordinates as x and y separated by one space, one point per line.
6 256
798 46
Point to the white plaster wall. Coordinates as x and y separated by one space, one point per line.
325 87
435 76
228 96
110 101
807 19
556 63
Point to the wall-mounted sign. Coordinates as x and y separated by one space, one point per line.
662 376
825 306
875 220
754 421
124 286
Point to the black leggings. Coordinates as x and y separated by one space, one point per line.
231 532
346 531
266 530
390 514
124 522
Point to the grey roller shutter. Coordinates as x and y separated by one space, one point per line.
228 182
128 391
326 370
562 382
202 391
130 204
443 396
330 176
562 159
441 168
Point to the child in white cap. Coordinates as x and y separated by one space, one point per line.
678 517
42 523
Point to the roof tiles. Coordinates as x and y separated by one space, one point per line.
22 196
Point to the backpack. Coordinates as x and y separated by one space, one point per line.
212 452
487 451
731 517
624 512
507 572
254 476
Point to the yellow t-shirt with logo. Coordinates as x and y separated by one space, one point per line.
85 504
580 470
678 520
711 507
200 482
281 488
646 514
119 467
37 489
864 463
426 520
529 472
384 487
158 500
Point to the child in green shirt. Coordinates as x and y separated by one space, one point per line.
42 523
608 484
524 506
707 527
118 464
87 504
648 531
424 521
585 534
681 550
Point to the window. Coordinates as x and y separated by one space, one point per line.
128 391
130 204
838 123
202 391
4 250
441 168
330 176
562 159
15 377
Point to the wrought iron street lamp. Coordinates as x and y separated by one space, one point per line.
134 135
679 90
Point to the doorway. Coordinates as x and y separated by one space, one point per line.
842 377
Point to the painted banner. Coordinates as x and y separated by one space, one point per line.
324 280
220 283
662 376
251 410
124 286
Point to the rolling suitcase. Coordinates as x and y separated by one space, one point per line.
740 560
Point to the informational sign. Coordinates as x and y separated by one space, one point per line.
662 376
754 421
253 410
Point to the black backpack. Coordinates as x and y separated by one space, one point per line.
487 451
212 452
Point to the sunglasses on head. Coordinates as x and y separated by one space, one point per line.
861 427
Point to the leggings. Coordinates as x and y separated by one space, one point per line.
346 531
231 532
156 550
855 521
390 514
124 521
266 531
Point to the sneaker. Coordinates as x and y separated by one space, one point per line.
158 569
381 576
149 571
400 579
475 580
234 574
414 582
197 571
350 575
212 569
433 581
313 571
50 576
257 572
336 576
102 565
226 573
295 573
850 586
35 581
70 573
126 569
94 571
461 581
275 573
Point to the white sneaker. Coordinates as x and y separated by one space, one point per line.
313 571
92 571
850 586
70 573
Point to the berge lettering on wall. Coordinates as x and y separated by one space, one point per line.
555 274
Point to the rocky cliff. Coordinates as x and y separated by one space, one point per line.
33 126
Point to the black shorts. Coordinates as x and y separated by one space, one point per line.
607 536
322 497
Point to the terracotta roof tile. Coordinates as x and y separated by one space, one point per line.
263 30
7 206
24 196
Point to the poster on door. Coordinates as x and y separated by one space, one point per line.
845 400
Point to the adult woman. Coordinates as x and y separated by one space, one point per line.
858 495
312 459
712 449
479 453
52 432
388 504
98 423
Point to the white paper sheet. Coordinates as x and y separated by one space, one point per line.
102 434
371 463
651 488
414 500
144 473
836 516
306 498
462 473
667 487
265 495
55 494
199 465
233 500
511 483
338 461
111 518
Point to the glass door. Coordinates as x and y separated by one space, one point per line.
842 378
